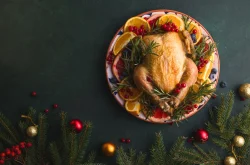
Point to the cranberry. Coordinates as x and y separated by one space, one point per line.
2 154
22 146
19 152
140 31
214 96
28 145
33 93
55 106
202 65
123 140
199 67
168 29
131 28
128 140
126 96
176 30
172 29
195 106
201 59
194 31
46 111
189 108
7 151
174 26
179 85
205 61
164 27
13 154
177 91
142 26
1 161
183 85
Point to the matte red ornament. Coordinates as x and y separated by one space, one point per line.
77 125
201 135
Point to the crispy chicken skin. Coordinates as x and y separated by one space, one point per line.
169 68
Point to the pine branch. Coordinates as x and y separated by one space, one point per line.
54 152
122 157
8 127
158 151
220 142
73 148
91 157
224 110
6 138
140 160
41 138
84 141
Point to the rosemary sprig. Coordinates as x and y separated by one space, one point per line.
119 86
186 21
205 89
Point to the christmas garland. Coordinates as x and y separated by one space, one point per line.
27 144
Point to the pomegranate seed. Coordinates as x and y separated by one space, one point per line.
194 31
128 140
123 140
195 106
183 85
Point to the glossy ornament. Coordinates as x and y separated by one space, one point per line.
77 125
108 149
229 161
201 135
239 141
244 91
32 131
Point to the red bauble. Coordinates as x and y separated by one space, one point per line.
77 125
29 144
33 94
201 135
1 161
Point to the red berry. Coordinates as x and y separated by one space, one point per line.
168 29
176 30
142 26
123 140
183 85
174 26
2 154
126 96
199 67
1 161
194 31
33 93
202 65
189 108
205 61
22 146
130 28
28 145
55 106
151 22
179 85
7 151
135 28
164 27
168 24
195 106
141 31
19 152
201 59
214 96
128 140
172 29
177 91
13 154
46 111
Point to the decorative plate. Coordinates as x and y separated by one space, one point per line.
213 72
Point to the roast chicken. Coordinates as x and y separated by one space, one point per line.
169 67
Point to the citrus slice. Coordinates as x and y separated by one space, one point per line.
129 93
205 71
118 67
133 107
138 22
122 41
159 116
173 18
194 26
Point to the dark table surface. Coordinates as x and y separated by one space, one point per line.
57 48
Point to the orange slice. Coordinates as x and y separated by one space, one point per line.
122 41
194 26
129 93
205 71
133 107
138 22
173 18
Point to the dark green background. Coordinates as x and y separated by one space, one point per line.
57 48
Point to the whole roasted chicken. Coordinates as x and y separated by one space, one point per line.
168 68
